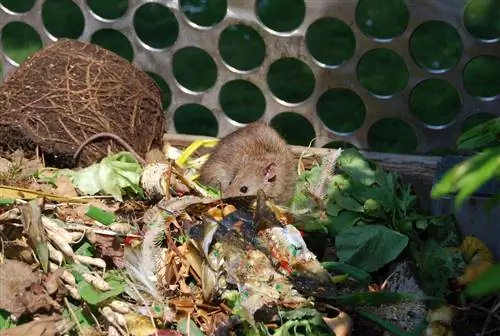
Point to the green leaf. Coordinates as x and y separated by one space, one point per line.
86 249
468 176
102 216
475 179
82 318
487 283
193 330
115 175
480 135
5 320
391 328
333 209
369 247
356 166
6 201
93 296
344 220
431 257
354 272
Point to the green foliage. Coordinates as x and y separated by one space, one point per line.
480 135
374 218
93 296
431 256
102 216
115 175
5 320
82 318
356 244
465 179
304 321
188 327
468 176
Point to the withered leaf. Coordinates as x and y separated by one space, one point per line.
31 218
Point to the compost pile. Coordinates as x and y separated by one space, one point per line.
69 91
120 248
148 249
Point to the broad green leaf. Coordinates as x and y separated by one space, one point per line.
356 166
345 219
94 296
113 176
369 247
188 327
102 216
487 283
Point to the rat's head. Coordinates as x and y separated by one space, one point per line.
254 176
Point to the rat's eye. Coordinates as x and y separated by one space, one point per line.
244 189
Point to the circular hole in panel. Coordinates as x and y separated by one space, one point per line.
435 102
383 72
330 41
475 120
482 76
242 47
242 101
114 41
382 19
392 135
339 144
194 69
441 151
109 9
156 25
20 40
482 19
166 94
294 128
436 46
18 6
290 80
281 15
63 18
195 119
341 110
204 13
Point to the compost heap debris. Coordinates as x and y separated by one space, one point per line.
71 90
116 248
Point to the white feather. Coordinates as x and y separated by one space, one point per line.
140 265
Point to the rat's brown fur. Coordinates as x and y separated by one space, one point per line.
255 157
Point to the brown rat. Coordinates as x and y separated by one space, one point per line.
251 158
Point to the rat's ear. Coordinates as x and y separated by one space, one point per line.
270 172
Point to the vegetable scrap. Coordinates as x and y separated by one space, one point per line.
117 248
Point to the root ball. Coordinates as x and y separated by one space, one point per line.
71 90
